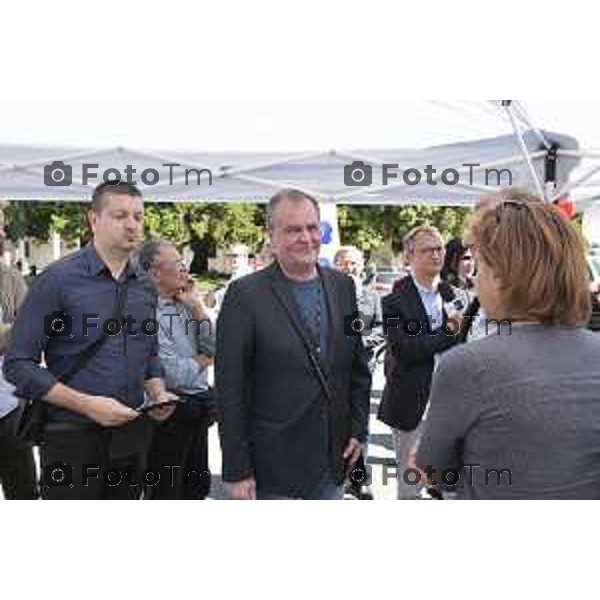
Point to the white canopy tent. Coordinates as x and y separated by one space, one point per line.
468 168
450 135
456 151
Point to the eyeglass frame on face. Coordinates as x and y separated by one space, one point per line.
430 251
169 264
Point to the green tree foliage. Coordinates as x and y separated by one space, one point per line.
168 221
383 227
207 227
179 222
38 220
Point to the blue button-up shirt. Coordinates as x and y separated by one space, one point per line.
181 339
82 287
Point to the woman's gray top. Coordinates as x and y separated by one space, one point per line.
524 407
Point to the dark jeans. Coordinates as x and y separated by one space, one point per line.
179 451
94 463
326 489
17 467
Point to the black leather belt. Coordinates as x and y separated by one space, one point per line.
67 426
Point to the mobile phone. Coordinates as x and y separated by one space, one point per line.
146 408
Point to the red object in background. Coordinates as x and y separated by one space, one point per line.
567 207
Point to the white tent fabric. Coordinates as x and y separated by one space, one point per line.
512 143
254 177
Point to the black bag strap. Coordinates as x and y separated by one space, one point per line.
90 351
314 360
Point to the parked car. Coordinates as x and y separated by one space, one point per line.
384 282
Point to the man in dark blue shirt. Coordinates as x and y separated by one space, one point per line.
94 438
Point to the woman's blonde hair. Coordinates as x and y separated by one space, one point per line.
536 253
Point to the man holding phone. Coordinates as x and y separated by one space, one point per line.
92 427
179 449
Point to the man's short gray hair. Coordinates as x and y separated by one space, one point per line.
408 241
288 194
148 253
343 250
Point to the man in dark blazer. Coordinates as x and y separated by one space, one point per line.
292 388
418 329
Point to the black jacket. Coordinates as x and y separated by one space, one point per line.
409 359
270 401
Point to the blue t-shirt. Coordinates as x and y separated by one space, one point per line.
312 303
310 298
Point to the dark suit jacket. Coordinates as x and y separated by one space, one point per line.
272 407
409 359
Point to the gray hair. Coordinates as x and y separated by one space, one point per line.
288 194
408 241
344 250
147 254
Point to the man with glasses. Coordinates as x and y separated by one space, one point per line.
179 449
418 328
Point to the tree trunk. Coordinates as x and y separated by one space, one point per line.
203 248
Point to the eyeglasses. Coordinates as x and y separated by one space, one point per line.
467 257
173 265
431 250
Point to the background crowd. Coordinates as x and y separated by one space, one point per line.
492 374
